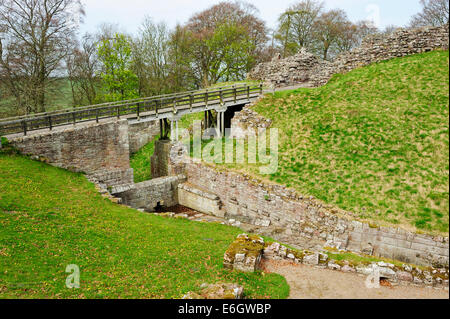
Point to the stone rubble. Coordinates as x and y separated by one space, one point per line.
217 291
306 70
287 216
406 274
237 259
244 254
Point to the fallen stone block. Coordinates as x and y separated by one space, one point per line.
244 254
311 259
217 291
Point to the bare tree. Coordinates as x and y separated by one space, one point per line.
434 13
351 35
389 29
329 29
150 58
35 37
181 76
83 68
296 25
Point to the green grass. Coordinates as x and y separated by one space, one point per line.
60 98
140 162
374 141
50 218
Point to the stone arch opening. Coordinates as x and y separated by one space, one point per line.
230 113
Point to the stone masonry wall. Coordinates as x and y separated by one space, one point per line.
302 68
164 161
147 195
309 71
308 223
247 122
141 133
100 149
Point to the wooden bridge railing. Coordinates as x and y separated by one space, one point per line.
138 107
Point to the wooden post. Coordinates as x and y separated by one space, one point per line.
191 101
221 96
260 88
248 92
137 109
96 115
206 98
24 126
218 123
222 127
74 118
50 122
118 111
235 93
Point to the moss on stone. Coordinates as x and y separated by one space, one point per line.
250 245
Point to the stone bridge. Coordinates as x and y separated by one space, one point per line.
98 140
101 149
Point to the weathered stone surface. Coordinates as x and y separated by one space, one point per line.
200 200
100 149
302 68
217 291
244 254
308 71
333 266
392 273
348 268
311 259
168 159
404 276
141 133
306 222
192 295
248 123
147 195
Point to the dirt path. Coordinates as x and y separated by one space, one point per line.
312 283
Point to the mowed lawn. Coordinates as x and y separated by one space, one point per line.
50 218
374 141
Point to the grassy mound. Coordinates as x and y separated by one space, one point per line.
374 141
50 218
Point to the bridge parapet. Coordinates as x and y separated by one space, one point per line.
152 108
101 150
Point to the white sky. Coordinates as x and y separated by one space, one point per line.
128 14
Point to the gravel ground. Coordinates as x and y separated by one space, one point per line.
308 282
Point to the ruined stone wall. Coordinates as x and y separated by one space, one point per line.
141 133
165 159
398 44
199 200
307 223
147 195
303 69
100 149
247 122
306 70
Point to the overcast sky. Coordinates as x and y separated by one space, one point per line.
130 13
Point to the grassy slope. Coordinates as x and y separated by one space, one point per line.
60 99
50 218
373 141
140 162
